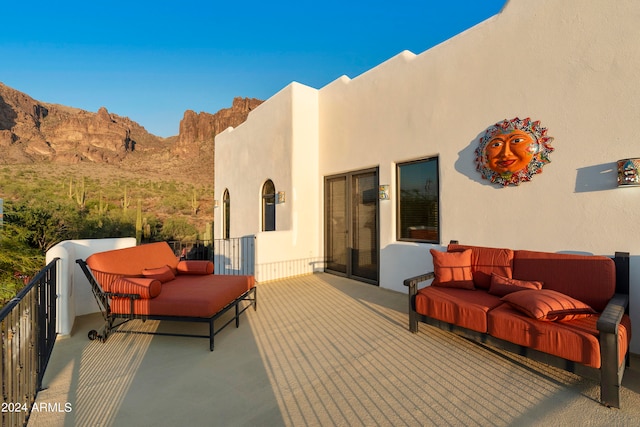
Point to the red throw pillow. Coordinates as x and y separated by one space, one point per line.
195 267
163 274
452 269
147 288
549 305
502 286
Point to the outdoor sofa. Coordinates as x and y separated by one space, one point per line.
569 311
149 282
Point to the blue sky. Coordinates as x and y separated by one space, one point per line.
151 61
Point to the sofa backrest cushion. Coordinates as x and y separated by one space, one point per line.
590 279
129 262
485 261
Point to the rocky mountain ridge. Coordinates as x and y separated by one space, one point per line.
32 131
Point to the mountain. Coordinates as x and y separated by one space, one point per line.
200 128
32 131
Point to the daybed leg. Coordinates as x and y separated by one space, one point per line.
255 299
211 334
237 315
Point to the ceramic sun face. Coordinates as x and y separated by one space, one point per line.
512 151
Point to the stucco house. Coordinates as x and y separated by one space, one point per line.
326 178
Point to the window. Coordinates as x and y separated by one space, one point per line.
418 202
226 214
268 206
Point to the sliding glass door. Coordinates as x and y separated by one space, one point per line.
351 225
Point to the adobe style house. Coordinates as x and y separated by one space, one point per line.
363 176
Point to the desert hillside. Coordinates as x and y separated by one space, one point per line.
36 133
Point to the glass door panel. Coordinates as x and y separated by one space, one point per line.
364 218
336 232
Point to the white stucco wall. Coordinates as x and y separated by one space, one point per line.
573 65
74 296
262 148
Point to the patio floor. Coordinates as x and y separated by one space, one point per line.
320 350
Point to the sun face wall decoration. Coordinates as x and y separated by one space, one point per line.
512 151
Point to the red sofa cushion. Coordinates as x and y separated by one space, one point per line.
485 261
195 267
590 279
548 305
501 286
575 340
460 307
452 269
145 287
189 296
163 274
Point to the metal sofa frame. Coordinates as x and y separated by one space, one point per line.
111 323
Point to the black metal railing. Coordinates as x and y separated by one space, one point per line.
234 256
28 330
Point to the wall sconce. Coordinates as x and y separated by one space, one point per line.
280 197
383 192
629 172
215 203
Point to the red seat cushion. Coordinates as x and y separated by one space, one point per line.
189 296
575 340
461 307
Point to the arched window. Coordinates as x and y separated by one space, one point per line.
268 206
226 214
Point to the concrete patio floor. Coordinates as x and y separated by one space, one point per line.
321 350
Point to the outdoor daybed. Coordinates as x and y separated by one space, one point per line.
150 282
569 311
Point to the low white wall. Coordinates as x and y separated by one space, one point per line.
74 296
280 254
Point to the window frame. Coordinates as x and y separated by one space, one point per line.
226 214
266 206
434 222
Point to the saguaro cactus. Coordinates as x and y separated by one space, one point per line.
102 205
125 201
81 195
195 206
139 223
